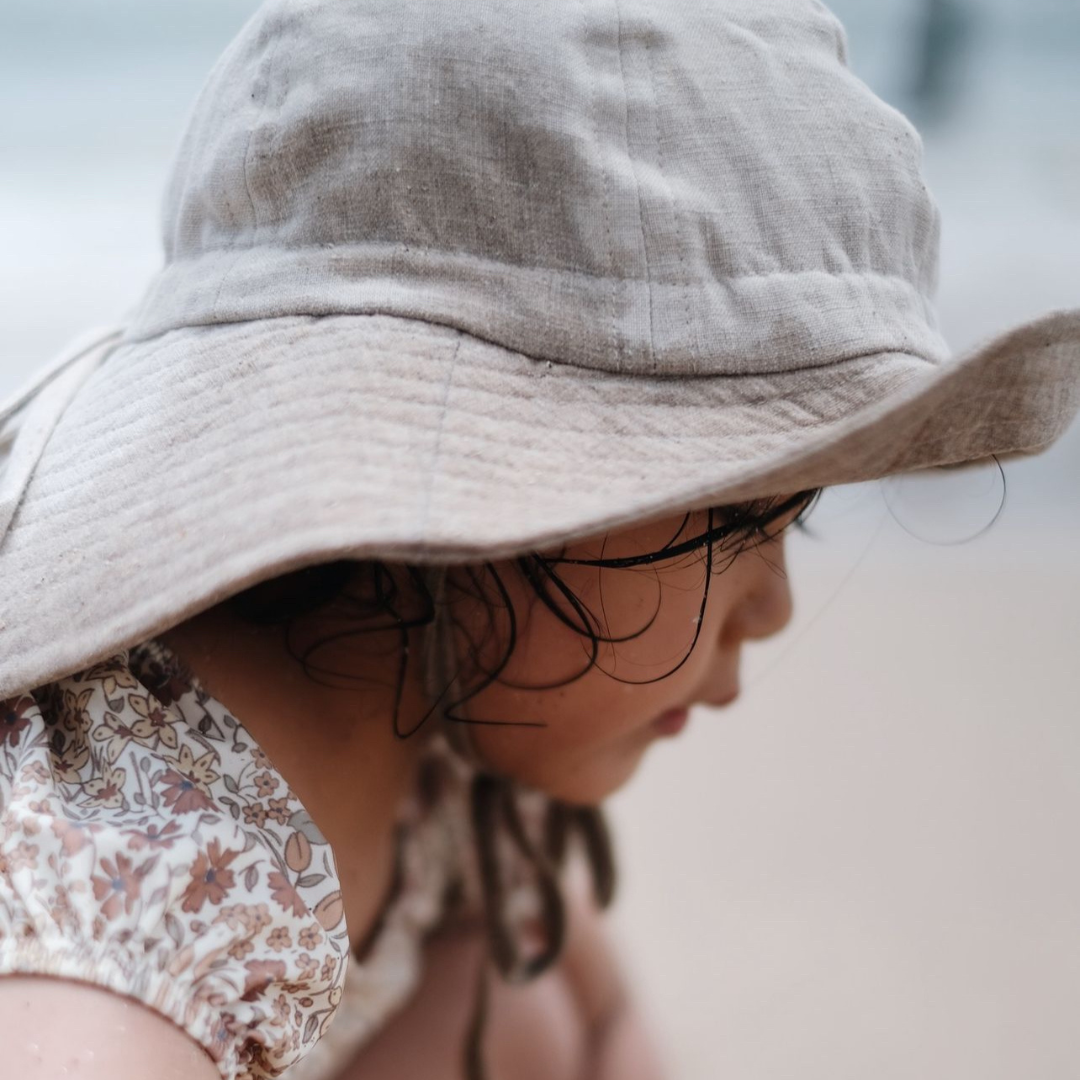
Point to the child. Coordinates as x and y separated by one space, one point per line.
446 463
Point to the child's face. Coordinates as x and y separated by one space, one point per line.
597 728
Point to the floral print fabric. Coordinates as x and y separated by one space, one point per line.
148 845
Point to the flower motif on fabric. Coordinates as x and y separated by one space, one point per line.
107 789
140 822
13 718
211 878
120 885
155 836
287 898
187 782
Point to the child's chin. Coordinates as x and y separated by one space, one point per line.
585 787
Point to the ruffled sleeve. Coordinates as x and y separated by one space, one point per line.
148 846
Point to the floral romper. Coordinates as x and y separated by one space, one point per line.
148 845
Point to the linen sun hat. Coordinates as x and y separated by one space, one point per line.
447 282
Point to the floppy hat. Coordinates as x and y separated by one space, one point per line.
451 282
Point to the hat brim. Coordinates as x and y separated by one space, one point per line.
199 462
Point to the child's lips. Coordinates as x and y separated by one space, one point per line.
674 720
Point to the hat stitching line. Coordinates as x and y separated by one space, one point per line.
179 487
467 435
333 392
613 336
676 216
390 376
591 371
977 431
430 472
651 358
396 247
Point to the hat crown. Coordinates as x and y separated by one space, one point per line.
624 185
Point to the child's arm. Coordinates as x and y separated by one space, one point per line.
51 1028
621 1047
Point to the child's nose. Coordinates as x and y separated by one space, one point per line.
767 606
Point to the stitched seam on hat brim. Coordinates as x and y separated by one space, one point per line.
435 452
659 376
497 264
50 506
88 548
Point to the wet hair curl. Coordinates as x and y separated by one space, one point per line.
383 604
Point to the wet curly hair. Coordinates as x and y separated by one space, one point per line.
371 593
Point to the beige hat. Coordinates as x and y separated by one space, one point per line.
447 282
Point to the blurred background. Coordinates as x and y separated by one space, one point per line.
867 865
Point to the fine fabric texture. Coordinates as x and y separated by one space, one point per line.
149 846
451 282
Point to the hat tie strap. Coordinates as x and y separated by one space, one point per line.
48 394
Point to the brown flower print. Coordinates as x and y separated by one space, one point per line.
116 734
252 917
24 856
156 718
279 938
286 895
69 755
241 949
210 877
187 783
137 730
279 811
265 784
73 711
61 909
113 674
119 888
258 755
73 835
36 771
155 836
260 974
13 718
309 937
107 790
308 965
281 1009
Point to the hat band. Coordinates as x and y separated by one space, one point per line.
747 325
